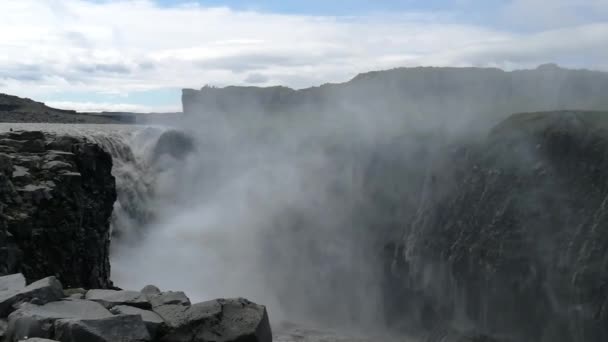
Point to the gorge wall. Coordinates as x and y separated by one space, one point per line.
56 197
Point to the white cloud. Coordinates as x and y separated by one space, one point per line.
554 13
53 47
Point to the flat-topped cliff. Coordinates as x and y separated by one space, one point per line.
423 94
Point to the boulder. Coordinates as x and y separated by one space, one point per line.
123 328
152 320
169 298
110 298
43 291
12 282
46 290
37 321
221 320
150 290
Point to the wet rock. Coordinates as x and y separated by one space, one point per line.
37 339
173 143
169 298
224 320
124 328
110 298
152 320
37 321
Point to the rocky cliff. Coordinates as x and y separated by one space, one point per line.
423 94
56 198
518 247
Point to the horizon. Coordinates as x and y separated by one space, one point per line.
137 55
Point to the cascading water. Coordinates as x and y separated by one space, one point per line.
227 214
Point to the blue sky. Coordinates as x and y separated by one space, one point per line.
138 54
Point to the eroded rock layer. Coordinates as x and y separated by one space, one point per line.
56 198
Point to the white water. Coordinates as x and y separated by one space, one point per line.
215 225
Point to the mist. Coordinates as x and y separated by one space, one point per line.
310 206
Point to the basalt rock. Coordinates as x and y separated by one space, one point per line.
56 199
519 246
174 319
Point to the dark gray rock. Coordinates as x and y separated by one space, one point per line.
55 205
169 298
3 328
110 298
222 320
152 320
37 339
124 328
37 321
43 291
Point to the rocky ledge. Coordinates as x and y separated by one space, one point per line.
56 198
44 310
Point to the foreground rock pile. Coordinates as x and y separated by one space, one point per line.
44 309
56 198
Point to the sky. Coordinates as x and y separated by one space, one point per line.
137 55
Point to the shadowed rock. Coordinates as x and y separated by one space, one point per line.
110 298
43 291
152 320
37 321
124 328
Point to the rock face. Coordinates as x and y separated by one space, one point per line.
173 319
480 94
56 199
519 246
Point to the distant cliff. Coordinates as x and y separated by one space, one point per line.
424 94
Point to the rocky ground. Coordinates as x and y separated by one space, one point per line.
45 310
